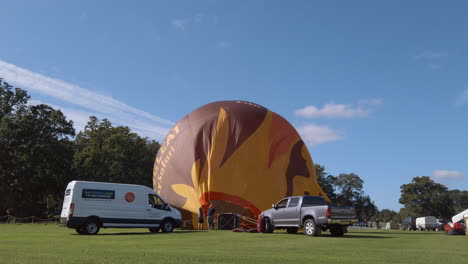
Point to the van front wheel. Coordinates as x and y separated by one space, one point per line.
167 226
92 227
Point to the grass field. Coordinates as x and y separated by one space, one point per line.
39 243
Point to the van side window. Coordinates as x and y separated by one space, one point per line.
156 202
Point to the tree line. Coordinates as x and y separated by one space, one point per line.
346 189
40 153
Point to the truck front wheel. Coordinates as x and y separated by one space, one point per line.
310 228
268 227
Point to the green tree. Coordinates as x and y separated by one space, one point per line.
113 154
425 197
386 215
36 153
404 213
326 181
459 200
349 186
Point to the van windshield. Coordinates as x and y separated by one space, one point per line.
67 192
156 202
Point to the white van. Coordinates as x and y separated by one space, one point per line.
88 206
426 223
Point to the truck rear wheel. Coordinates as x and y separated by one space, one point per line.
336 231
310 228
292 230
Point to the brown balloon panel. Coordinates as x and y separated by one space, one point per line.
237 155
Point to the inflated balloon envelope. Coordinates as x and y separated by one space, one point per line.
237 155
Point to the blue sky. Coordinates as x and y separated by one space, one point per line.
377 89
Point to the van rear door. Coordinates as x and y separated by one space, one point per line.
67 207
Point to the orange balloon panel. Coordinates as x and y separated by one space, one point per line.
237 155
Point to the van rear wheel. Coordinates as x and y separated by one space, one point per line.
154 229
91 227
167 226
80 230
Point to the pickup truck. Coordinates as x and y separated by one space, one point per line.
310 213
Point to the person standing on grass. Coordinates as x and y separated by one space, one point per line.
211 213
200 218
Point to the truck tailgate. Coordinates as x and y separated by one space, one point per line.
342 212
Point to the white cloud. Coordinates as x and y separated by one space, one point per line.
463 98
431 55
223 44
314 134
438 175
178 24
96 104
339 110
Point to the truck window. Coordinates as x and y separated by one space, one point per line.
309 201
293 202
282 203
156 202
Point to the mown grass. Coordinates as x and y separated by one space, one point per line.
39 243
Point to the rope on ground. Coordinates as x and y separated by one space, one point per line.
247 219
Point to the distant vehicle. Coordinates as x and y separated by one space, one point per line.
309 212
359 224
440 224
88 206
426 223
409 224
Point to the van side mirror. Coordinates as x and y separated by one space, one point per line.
273 206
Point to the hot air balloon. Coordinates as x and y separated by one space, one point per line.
237 155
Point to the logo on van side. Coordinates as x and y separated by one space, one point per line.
98 194
129 197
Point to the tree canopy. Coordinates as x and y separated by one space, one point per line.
113 154
425 197
346 189
35 152
39 154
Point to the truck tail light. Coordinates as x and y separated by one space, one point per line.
70 210
328 214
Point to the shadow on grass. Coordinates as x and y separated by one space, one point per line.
402 233
141 233
346 236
